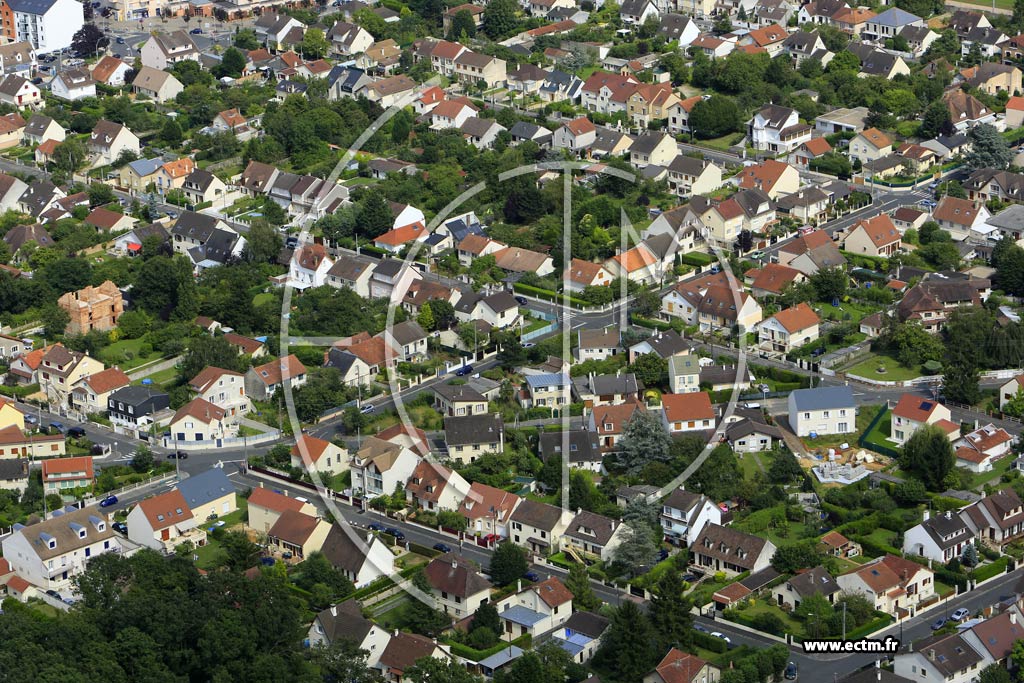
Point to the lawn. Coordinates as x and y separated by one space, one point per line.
894 372
865 414
162 377
722 143
748 462
998 469
855 309
883 536
987 4
262 298
125 354
394 618
793 626
881 433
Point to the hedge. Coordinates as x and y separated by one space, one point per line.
548 295
880 621
475 655
659 325
709 642
423 550
990 570
870 547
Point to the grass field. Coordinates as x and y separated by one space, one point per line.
999 4
125 354
881 433
894 372
855 309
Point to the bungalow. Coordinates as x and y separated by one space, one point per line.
835 544
582 274
721 549
73 85
638 264
598 344
396 240
788 329
687 412
663 344
159 86
804 585
434 487
518 260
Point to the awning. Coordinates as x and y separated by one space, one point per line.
537 541
134 246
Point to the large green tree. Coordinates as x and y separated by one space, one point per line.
500 19
714 117
629 648
508 563
669 611
989 148
928 455
644 440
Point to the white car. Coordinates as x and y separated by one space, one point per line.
716 634
960 614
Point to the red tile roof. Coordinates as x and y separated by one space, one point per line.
797 318
686 407
270 500
54 468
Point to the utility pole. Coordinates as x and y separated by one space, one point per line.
844 620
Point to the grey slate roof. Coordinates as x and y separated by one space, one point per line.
823 398
473 429
203 488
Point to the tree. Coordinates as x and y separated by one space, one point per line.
143 460
401 126
785 469
245 39
55 320
791 558
374 214
205 351
487 617
816 611
171 132
100 193
637 551
928 455
444 314
232 63
578 583
508 563
936 121
463 26
644 440
669 611
629 648
241 552
830 283
314 44
651 369
432 670
989 148
997 673
970 556
88 41
715 117
426 318
499 20
263 243
342 660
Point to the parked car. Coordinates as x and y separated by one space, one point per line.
31 419
528 345
521 300
267 561
441 547
791 672
375 526
108 501
698 627
960 614
464 370
689 578
662 554
532 576
752 406
716 634
69 601
196 31
119 527
99 449
492 538
397 533
53 594
367 409
180 455
76 432
119 40
938 623
59 426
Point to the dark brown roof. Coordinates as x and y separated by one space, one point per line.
729 545
345 621
536 514
456 576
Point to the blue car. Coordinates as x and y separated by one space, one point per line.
375 526
464 370
532 576
397 533
108 501
441 547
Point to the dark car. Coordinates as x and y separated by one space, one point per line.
291 242
117 55
662 554
108 501
938 623
196 31
76 432
53 594
267 561
119 40
441 547
180 455
375 526
464 370
689 578
521 300
59 426
119 527
397 533
791 672
532 576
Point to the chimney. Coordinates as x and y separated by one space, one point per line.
1013 617
949 514
931 655
927 515
455 562
396 633
519 585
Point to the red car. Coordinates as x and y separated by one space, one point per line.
492 538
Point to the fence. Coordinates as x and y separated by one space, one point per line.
540 332
865 442
217 444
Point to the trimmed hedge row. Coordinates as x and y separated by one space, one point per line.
709 642
548 295
697 258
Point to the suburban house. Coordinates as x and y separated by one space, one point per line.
433 487
581 634
876 236
940 538
895 585
537 526
777 129
262 381
942 657
1013 388
684 373
358 554
458 588
298 533
721 549
455 400
159 86
14 443
73 85
535 610
581 445
788 329
835 544
379 466
597 344
164 521
608 422
684 515
162 50
109 140
687 412
468 437
131 409
962 218
682 667
998 517
90 394
404 650
913 412
977 450
803 585
195 422
50 554
345 622
823 410
209 494
67 474
223 388
592 535
265 506
774 178
488 510
870 144
323 456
